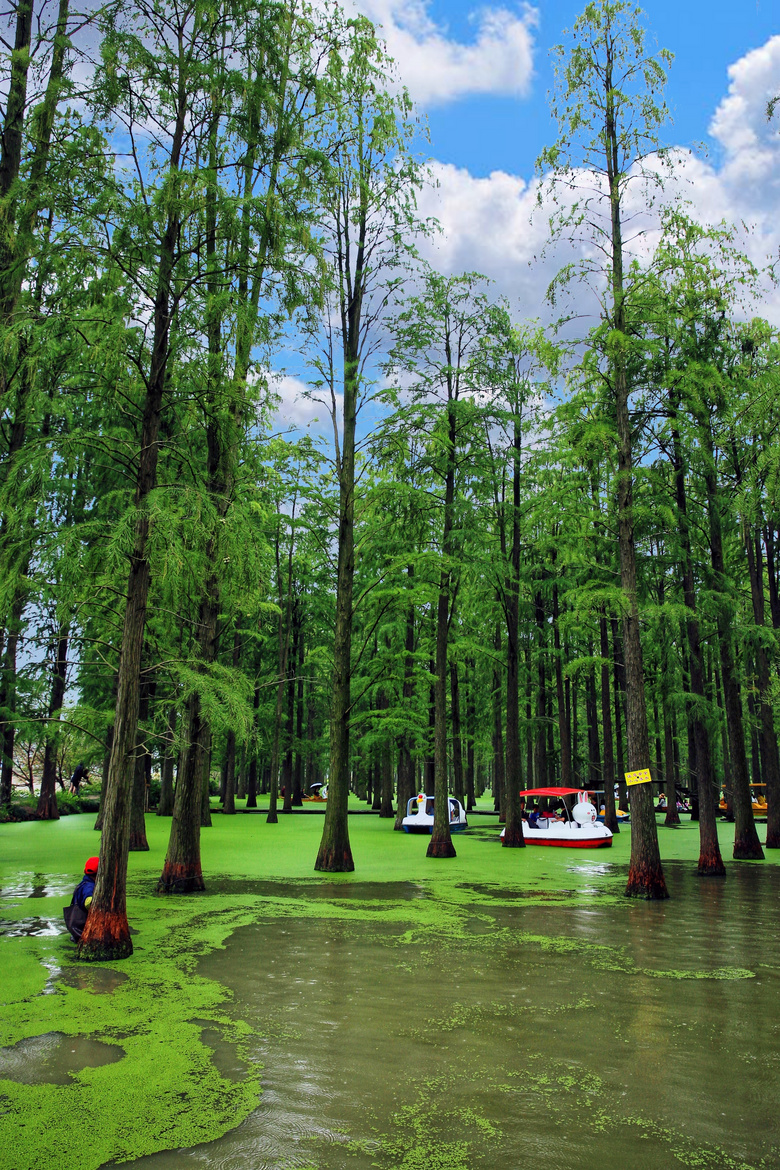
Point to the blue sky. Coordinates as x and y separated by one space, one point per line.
481 73
492 132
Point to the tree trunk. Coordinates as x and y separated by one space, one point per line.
107 933
287 763
771 575
470 726
229 803
608 773
406 784
165 807
47 801
251 787
205 780
619 693
513 829
386 809
429 768
297 777
540 752
563 717
138 842
106 765
458 789
499 774
591 712
335 852
747 846
645 875
8 701
441 839
710 864
769 752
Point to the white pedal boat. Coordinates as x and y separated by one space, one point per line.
419 815
581 830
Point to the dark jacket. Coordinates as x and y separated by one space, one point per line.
85 889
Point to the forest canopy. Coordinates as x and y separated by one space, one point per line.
516 553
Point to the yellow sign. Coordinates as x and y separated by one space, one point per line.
641 777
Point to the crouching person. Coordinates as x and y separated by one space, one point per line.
75 915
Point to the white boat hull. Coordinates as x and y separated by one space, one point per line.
421 821
568 835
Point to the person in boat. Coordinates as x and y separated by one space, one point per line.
523 809
533 816
76 914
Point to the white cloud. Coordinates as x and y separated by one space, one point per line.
437 69
492 225
296 409
752 144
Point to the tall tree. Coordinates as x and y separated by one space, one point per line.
369 225
608 110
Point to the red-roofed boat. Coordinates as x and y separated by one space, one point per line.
580 829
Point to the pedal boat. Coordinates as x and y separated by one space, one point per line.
419 815
580 831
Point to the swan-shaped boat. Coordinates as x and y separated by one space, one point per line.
419 815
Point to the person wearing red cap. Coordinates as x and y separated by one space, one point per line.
76 914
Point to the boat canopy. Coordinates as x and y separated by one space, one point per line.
551 791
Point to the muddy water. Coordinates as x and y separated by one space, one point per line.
581 1038
53 1058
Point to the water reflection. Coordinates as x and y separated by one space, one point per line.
54 1058
615 1035
29 927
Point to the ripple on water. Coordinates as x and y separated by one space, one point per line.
611 1034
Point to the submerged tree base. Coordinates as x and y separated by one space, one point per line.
748 850
646 881
106 937
335 860
513 840
711 865
441 848
181 879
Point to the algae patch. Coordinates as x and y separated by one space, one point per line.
165 1092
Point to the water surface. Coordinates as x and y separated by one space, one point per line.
605 1035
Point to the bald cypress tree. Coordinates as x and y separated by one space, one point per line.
609 108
